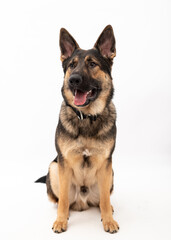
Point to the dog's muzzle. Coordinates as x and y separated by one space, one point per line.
75 81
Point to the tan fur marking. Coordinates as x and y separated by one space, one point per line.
62 58
88 58
75 61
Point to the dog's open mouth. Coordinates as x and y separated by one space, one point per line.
83 98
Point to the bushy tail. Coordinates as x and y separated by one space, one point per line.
41 180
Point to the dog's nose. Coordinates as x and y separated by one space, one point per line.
75 80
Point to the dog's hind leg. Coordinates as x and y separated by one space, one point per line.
52 182
50 192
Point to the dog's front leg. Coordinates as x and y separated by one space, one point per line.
104 182
60 225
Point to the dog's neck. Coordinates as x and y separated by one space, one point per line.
83 116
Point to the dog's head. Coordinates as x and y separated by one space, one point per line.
87 80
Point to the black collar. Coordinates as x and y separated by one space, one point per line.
83 116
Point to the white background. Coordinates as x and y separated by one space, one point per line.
30 81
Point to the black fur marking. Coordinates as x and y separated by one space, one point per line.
110 134
105 64
41 180
111 189
60 156
62 129
86 161
56 159
82 116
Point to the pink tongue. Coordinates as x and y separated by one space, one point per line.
80 98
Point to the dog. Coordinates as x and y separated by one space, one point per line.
81 175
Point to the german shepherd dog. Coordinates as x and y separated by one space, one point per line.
81 175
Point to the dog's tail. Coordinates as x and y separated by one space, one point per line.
41 180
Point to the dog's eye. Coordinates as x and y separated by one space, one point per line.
92 64
72 65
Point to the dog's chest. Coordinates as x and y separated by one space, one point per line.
84 169
85 158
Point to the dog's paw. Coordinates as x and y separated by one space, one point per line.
110 226
59 226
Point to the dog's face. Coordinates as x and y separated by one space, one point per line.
87 81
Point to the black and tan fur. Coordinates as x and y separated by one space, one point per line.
82 175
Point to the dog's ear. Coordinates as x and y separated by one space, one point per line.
106 43
67 44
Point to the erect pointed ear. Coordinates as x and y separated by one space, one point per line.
106 43
67 44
